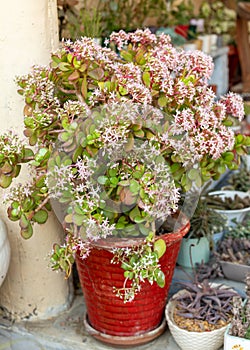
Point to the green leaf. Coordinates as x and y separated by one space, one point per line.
125 266
5 181
102 180
139 133
126 56
74 76
160 278
6 168
123 91
130 144
24 222
193 174
119 225
137 174
64 66
221 168
160 247
55 59
162 101
78 219
97 73
27 204
134 186
114 180
239 138
139 219
41 216
143 229
175 167
84 87
112 172
68 219
28 153
228 156
146 78
77 153
33 139
28 232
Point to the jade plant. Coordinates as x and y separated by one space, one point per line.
115 137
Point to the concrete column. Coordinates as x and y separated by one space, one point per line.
28 33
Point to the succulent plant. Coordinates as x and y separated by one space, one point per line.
205 302
235 246
228 203
240 323
240 180
210 270
205 221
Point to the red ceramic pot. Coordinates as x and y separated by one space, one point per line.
108 314
182 29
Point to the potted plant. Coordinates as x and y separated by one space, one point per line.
235 205
237 335
199 314
219 19
114 136
239 180
205 223
233 251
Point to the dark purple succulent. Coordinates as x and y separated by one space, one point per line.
205 301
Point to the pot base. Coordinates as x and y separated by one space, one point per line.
125 341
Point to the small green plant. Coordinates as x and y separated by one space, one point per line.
205 221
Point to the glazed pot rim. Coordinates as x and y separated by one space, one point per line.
182 227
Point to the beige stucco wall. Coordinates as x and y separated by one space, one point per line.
28 33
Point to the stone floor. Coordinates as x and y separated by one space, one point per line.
67 331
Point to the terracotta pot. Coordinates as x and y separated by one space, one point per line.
109 315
